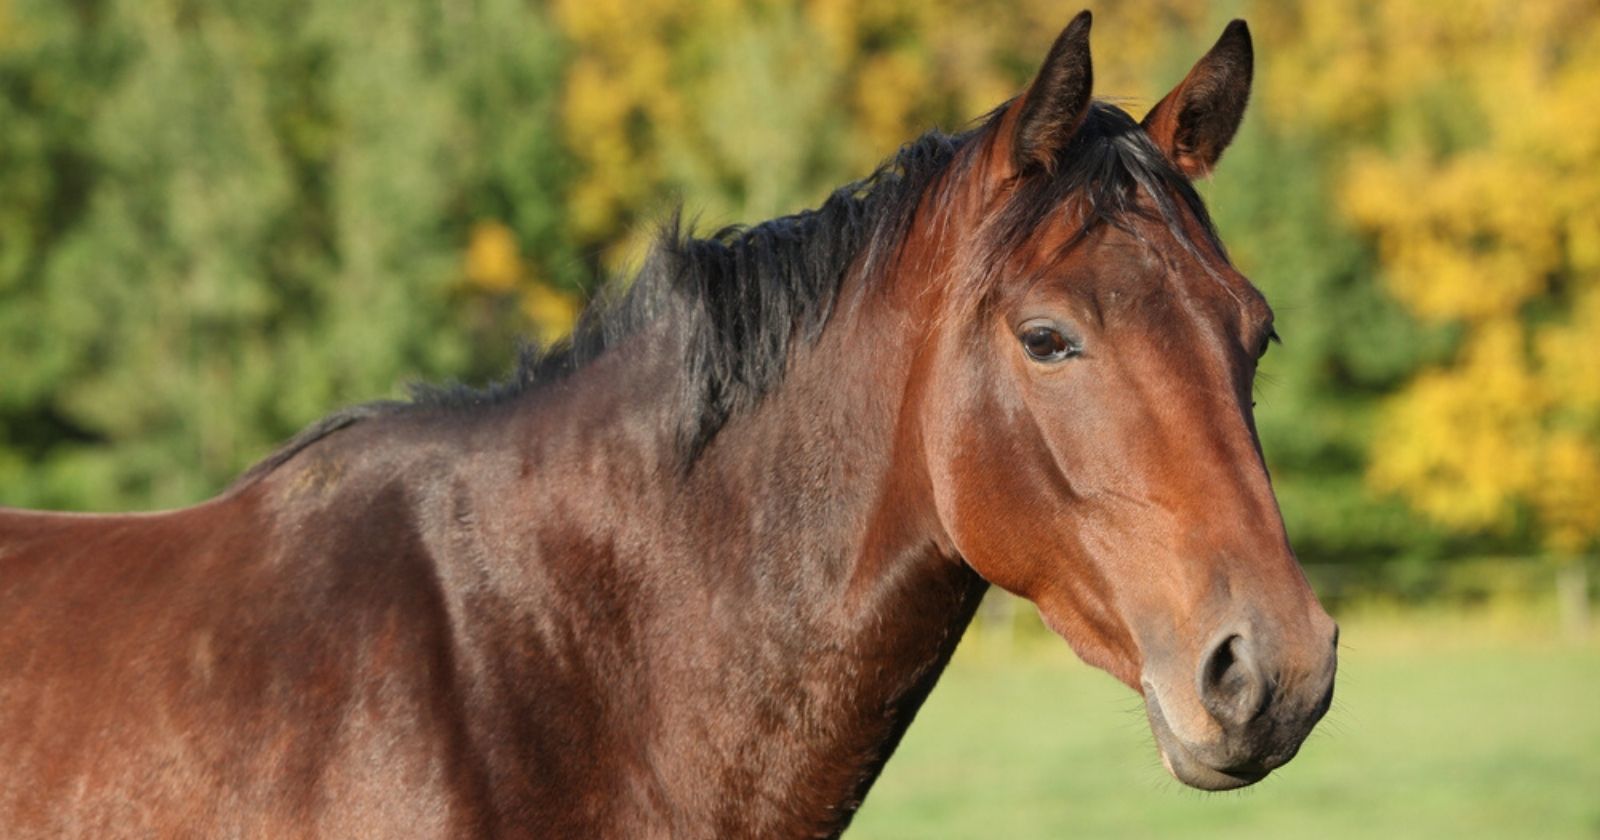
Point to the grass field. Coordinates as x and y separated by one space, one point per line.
1443 726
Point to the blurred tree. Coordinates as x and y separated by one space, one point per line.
220 220
753 109
1346 345
668 99
1477 175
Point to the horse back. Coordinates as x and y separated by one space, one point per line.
236 668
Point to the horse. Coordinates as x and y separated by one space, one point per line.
692 572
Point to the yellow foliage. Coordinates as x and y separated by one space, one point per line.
1480 185
1458 239
494 265
657 95
1568 500
886 95
493 261
552 313
1462 444
1569 357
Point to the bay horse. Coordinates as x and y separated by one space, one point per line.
691 573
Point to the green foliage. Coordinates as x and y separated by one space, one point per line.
1345 346
221 220
1469 163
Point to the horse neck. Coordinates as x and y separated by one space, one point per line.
816 513
822 490
793 592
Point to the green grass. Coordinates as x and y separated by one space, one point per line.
1441 727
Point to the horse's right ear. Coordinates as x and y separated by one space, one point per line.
1057 101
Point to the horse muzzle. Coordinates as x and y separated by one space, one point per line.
1248 715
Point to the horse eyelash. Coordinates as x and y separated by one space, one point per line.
1257 386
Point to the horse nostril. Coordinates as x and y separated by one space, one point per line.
1231 686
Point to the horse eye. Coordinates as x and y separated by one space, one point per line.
1047 344
1266 344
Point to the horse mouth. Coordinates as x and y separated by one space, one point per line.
1188 768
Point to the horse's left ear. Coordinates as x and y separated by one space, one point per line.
1197 120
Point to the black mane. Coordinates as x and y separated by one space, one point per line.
743 295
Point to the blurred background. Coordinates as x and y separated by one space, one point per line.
222 219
